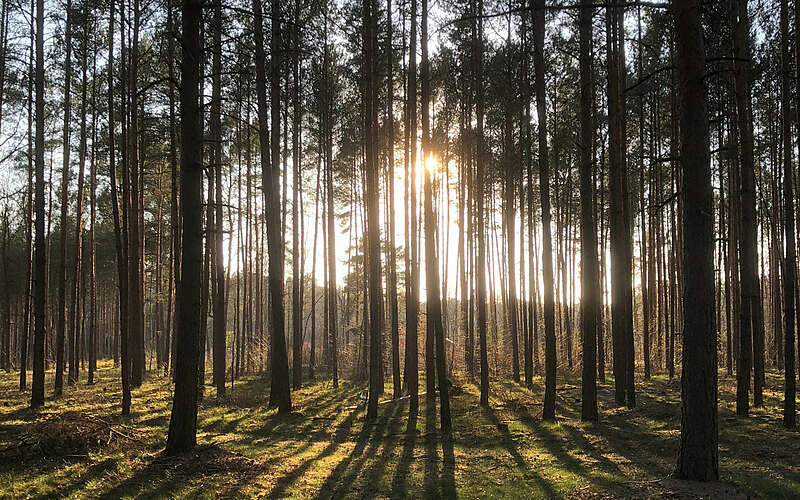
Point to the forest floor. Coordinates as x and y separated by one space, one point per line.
79 446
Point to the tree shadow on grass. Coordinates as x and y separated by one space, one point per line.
447 477
429 480
377 469
82 480
339 481
403 470
340 436
511 447
280 427
166 476
50 468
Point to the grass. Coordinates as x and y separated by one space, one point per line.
324 449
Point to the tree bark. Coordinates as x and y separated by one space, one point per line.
182 435
123 345
271 149
135 250
65 173
790 258
219 305
39 244
549 411
371 201
698 458
750 311
621 308
589 266
412 287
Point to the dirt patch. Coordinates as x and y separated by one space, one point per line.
667 489
207 459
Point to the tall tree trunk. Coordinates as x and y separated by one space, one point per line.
428 161
208 260
750 312
480 202
76 302
317 202
122 263
297 307
648 281
509 222
65 174
135 250
432 286
589 273
392 258
371 201
621 308
529 307
549 412
330 247
93 321
270 162
412 282
698 458
29 214
175 226
790 258
220 313
39 245
182 435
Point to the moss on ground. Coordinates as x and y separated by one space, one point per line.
324 449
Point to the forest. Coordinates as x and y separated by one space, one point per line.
399 249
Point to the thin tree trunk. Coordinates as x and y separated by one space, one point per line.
39 245
29 214
549 412
123 346
135 250
297 308
790 259
589 271
76 303
219 302
65 174
93 322
412 268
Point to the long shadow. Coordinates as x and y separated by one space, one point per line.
429 480
338 481
165 476
554 446
302 421
155 421
159 473
511 446
448 478
399 481
339 437
220 426
583 443
94 471
354 471
614 426
387 453
576 436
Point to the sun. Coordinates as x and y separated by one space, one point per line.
431 164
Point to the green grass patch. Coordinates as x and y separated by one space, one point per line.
324 449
